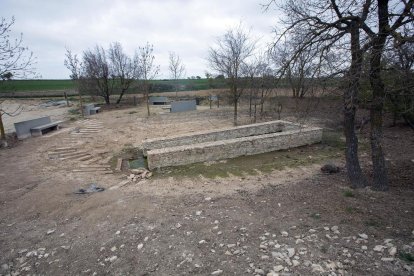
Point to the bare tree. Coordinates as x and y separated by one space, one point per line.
227 57
16 61
176 68
74 65
123 68
97 69
147 70
356 27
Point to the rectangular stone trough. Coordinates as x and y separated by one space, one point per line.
230 148
217 135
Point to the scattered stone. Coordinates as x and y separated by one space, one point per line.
363 236
111 259
264 257
50 231
4 266
379 248
113 249
207 198
117 232
259 271
295 262
66 247
364 247
392 251
291 252
278 268
317 268
198 213
202 241
387 259
140 246
284 233
217 272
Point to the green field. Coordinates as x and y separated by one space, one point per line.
157 85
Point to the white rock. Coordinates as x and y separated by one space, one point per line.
140 246
312 231
207 198
363 236
259 271
264 257
66 247
50 231
295 262
217 272
198 213
111 259
317 268
387 259
113 249
284 233
272 273
379 248
291 252
4 266
364 247
117 232
392 251
326 228
299 241
278 268
202 242
146 239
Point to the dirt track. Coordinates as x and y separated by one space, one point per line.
295 220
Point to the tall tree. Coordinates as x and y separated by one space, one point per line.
74 65
359 27
16 61
147 69
227 57
123 68
176 68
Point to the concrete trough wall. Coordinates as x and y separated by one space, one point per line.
216 135
181 106
154 100
23 128
224 149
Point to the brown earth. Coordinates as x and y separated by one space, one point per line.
291 220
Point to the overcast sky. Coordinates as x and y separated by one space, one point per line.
186 27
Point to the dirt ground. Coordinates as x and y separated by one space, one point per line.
290 219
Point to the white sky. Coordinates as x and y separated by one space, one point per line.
187 27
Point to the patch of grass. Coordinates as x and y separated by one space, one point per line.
333 139
405 256
74 111
348 193
254 164
372 223
350 209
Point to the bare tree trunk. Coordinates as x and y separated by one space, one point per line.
378 96
354 171
2 132
147 98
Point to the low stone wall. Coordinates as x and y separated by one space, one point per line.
230 148
217 135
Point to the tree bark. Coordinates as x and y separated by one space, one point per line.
378 95
354 171
2 132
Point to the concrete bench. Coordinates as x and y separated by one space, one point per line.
40 130
24 128
94 110
90 109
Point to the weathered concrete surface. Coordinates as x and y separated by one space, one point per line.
23 127
217 135
224 149
181 106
